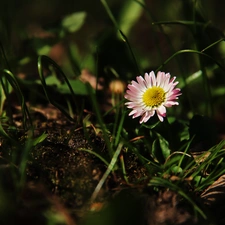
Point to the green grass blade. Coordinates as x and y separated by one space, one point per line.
13 82
120 127
184 51
30 142
213 44
107 172
160 182
180 22
95 154
124 38
49 61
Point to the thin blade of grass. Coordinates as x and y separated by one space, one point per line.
95 154
13 82
44 85
107 172
213 44
120 127
124 38
30 142
180 22
185 151
213 155
189 51
216 153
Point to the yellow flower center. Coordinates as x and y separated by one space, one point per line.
154 96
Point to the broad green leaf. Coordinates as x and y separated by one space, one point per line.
176 169
78 87
130 14
220 91
44 50
198 180
157 152
164 145
74 22
52 80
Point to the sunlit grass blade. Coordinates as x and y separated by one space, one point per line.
95 154
123 168
119 129
115 124
186 150
107 172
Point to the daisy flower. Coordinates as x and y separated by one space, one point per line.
151 94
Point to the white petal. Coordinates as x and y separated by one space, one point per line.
160 78
148 80
141 82
152 75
